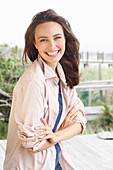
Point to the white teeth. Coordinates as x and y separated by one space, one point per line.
53 53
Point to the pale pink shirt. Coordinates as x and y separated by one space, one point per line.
36 95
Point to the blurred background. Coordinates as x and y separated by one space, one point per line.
91 22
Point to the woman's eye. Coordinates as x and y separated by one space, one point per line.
58 37
43 40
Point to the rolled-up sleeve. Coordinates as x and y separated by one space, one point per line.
75 101
29 141
28 109
81 114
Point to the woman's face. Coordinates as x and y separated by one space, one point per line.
50 42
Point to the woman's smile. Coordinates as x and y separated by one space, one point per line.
53 53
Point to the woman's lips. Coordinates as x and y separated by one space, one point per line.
52 54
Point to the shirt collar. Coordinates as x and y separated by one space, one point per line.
49 73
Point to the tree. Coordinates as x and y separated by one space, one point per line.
10 71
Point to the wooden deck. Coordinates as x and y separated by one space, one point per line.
88 152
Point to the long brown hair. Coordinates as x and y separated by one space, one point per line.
70 59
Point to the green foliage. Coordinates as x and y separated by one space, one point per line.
4 45
111 97
96 126
107 116
10 70
3 130
95 97
91 74
103 123
84 97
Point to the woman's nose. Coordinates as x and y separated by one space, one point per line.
51 44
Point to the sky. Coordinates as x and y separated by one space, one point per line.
91 20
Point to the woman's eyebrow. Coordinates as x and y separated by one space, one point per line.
42 37
57 34
53 36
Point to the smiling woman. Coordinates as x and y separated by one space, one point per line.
45 107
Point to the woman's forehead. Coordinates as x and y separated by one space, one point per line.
49 28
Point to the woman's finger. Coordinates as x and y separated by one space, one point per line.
69 108
75 114
43 121
73 117
42 127
72 111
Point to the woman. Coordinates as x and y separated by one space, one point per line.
45 108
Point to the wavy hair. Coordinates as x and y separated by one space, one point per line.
71 57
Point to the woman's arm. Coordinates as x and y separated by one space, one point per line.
61 135
27 113
67 130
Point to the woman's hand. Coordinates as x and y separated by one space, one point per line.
46 134
70 117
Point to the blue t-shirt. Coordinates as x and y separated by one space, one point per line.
57 165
